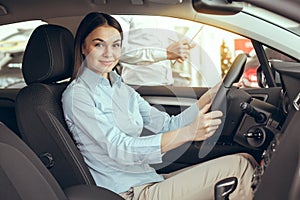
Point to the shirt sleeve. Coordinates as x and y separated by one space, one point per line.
140 48
90 126
143 56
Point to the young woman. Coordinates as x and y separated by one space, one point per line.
106 118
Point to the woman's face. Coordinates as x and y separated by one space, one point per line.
102 49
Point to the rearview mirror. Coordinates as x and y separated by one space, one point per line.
216 7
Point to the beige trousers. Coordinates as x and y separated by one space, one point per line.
198 181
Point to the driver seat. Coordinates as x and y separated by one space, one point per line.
47 63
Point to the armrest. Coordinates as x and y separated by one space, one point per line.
90 192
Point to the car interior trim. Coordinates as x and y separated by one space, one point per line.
172 101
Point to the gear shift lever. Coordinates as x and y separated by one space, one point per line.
225 187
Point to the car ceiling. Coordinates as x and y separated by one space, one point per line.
51 9
287 8
68 13
13 10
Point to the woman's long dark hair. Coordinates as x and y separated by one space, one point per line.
89 23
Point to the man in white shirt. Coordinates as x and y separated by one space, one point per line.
147 54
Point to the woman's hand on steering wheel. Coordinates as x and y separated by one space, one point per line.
205 124
219 101
208 96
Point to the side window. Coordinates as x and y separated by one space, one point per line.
13 40
146 39
249 77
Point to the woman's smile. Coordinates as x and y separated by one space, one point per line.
106 63
102 49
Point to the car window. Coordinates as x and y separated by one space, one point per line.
249 77
13 40
209 61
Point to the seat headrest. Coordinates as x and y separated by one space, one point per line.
48 56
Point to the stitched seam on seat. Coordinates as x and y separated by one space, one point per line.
64 140
47 40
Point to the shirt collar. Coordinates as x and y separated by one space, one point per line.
93 79
115 78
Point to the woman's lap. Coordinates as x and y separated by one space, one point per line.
198 181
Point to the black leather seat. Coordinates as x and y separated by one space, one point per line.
47 62
23 175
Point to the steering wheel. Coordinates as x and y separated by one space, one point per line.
220 102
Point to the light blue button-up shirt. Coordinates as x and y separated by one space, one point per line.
107 119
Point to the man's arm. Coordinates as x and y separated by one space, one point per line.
178 51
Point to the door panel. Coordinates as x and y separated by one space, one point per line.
173 100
